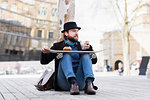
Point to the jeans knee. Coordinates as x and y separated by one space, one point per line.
85 56
66 55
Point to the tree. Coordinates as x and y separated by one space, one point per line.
126 19
66 12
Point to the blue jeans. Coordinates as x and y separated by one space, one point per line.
65 71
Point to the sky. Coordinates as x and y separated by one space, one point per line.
94 17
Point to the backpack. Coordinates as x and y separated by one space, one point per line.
46 81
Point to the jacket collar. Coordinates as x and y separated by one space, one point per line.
70 44
64 44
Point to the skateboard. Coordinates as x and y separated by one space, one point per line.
65 51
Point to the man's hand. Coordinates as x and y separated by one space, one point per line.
86 45
45 50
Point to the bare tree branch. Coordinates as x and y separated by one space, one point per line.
119 8
125 13
139 6
115 12
132 22
135 11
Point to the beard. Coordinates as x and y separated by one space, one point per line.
72 39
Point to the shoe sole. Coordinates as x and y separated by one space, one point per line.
75 93
90 93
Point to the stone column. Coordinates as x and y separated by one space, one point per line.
66 12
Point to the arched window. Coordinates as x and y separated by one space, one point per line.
117 64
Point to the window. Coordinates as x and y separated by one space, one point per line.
26 10
14 8
54 12
17 40
38 21
6 51
13 40
39 33
50 35
4 5
44 22
9 39
22 42
53 23
42 11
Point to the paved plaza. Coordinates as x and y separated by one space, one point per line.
20 87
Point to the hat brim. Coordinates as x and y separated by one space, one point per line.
71 28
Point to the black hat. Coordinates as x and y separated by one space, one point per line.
70 25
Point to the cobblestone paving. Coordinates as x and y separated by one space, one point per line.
110 88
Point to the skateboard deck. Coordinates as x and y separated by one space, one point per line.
65 51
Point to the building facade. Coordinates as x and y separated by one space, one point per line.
35 22
138 43
13 46
112 45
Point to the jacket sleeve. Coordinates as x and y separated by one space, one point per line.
93 55
46 58
94 58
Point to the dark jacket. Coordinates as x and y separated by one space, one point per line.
46 58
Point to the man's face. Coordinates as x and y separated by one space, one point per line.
72 35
